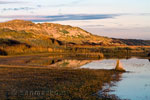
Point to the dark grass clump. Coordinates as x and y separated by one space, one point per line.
54 84
148 55
2 52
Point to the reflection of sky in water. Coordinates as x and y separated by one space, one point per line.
136 84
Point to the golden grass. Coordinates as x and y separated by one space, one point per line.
54 84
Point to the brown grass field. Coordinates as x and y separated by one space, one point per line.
55 83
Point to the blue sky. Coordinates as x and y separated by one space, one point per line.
112 18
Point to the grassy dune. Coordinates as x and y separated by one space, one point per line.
19 37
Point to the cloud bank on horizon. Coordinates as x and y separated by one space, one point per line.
113 18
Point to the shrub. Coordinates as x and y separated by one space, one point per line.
64 31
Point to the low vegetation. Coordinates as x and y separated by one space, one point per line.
134 42
64 31
55 84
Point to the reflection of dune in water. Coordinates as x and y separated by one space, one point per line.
71 63
43 61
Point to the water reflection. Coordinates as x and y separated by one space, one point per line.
45 61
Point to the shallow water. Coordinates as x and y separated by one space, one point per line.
46 60
135 85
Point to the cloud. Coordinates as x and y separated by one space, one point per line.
16 9
38 6
92 26
65 17
62 17
53 18
143 14
9 2
72 17
75 2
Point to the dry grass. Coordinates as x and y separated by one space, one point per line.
53 84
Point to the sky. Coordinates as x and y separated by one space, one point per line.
128 19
